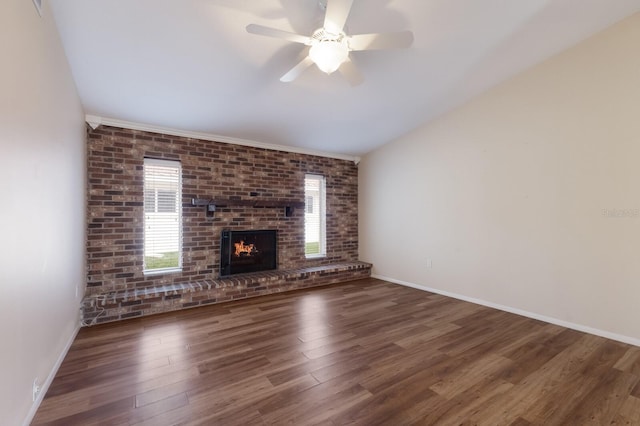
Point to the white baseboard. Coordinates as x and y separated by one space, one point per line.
551 320
49 380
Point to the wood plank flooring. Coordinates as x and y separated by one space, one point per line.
365 352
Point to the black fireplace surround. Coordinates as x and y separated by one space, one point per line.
248 251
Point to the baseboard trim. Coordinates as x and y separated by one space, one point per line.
50 377
551 320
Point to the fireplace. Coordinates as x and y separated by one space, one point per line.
247 251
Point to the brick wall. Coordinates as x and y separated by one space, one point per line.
209 170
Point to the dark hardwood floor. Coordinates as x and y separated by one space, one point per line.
366 352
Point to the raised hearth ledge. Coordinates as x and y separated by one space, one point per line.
132 303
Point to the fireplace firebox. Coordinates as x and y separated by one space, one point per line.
248 251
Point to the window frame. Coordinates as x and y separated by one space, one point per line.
322 215
173 164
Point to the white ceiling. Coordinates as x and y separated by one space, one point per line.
190 65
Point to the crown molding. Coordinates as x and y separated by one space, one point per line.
94 121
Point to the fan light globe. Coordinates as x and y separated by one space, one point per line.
328 55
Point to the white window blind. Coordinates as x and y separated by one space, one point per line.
315 216
162 215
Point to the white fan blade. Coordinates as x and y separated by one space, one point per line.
297 70
272 32
349 70
381 41
336 15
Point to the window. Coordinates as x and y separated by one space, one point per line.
160 201
162 215
315 216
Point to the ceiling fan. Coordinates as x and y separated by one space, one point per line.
330 45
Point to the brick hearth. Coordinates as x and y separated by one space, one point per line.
133 303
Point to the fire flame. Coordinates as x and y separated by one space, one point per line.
242 248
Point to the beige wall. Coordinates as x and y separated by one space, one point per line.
506 195
42 181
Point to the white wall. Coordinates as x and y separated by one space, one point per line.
506 194
42 193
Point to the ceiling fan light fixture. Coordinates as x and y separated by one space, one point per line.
330 45
328 55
